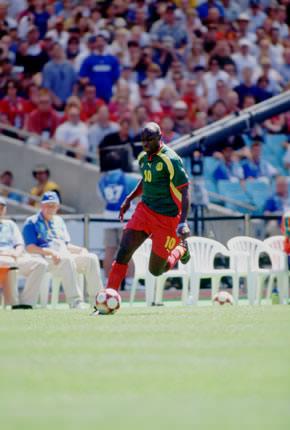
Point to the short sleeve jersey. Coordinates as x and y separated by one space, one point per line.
163 176
37 231
10 235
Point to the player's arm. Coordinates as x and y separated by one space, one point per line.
126 204
182 228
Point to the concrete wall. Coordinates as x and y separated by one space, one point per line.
77 180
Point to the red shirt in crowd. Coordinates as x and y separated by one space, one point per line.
39 122
89 109
14 110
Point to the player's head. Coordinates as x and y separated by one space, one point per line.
150 136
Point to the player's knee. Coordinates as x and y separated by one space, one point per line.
156 271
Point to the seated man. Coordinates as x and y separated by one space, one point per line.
12 255
228 167
46 234
257 167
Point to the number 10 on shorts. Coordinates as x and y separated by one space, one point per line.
170 243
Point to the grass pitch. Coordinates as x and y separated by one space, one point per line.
146 368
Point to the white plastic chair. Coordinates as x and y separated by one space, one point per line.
257 275
277 243
201 266
55 284
180 272
141 261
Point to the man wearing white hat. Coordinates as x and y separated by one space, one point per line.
12 256
46 234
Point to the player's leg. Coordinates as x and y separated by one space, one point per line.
167 248
131 240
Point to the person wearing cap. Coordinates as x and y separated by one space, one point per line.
41 173
100 68
243 58
161 214
12 257
46 234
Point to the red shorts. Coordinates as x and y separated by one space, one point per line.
161 229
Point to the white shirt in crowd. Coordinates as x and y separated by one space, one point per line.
10 235
210 81
70 133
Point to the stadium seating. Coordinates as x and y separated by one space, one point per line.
258 190
141 261
234 191
180 272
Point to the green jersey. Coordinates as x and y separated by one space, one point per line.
163 177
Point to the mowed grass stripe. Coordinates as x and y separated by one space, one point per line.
143 368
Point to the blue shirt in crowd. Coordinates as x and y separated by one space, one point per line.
59 78
228 171
258 170
40 232
115 185
103 71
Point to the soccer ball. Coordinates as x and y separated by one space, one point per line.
223 298
108 301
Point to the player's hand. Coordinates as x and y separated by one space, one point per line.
123 209
183 230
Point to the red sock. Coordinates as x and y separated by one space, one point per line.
116 276
174 256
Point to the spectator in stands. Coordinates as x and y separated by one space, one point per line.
73 134
101 128
35 55
256 166
90 103
40 16
12 255
168 26
46 234
13 109
284 68
41 174
280 200
218 110
119 139
211 77
182 124
6 179
59 76
243 58
114 186
100 69
44 119
168 133
228 166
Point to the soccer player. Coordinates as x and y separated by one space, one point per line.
162 212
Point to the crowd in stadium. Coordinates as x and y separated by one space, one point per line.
91 73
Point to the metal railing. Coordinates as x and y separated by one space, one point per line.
87 219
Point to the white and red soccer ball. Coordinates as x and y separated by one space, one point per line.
223 298
108 301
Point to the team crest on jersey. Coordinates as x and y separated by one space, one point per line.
159 167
